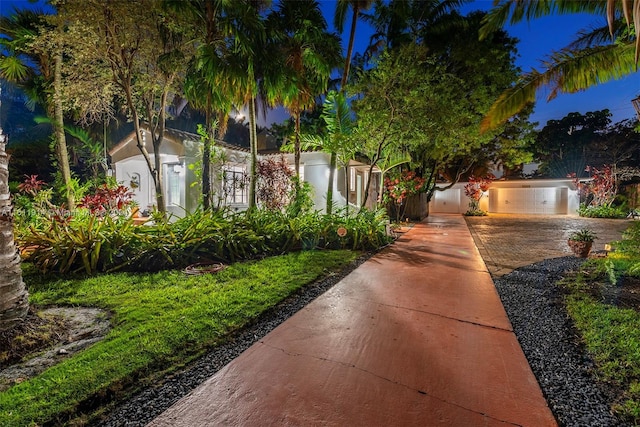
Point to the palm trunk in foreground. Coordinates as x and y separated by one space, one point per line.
14 298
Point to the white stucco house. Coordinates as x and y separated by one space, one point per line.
180 156
526 196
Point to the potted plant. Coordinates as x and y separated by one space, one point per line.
581 241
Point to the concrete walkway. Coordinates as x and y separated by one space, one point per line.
416 336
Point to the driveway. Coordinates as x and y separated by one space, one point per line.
508 241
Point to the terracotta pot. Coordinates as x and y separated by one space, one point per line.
580 249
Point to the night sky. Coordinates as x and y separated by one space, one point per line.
537 39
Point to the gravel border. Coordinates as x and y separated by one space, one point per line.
531 299
546 334
146 405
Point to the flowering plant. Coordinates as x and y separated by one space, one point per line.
475 190
403 186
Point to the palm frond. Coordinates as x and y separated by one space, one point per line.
595 36
515 11
565 72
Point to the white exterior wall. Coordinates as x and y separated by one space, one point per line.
125 172
544 197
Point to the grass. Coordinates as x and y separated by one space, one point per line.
160 322
611 334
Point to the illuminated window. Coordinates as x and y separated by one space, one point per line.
173 184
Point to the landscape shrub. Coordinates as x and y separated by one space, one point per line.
602 211
81 242
84 242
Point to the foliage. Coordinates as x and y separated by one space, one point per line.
583 235
275 183
602 211
600 190
107 200
159 321
630 242
307 53
611 333
92 241
567 145
597 56
31 185
475 189
332 134
396 190
411 101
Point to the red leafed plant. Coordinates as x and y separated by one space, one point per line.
107 199
475 190
601 190
274 183
31 185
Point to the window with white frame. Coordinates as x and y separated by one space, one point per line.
235 185
173 184
352 179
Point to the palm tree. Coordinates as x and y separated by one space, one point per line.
339 124
14 298
398 22
250 63
206 86
309 53
339 19
590 60
37 69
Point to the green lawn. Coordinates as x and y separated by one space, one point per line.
611 334
160 322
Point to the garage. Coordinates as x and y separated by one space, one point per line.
541 197
544 201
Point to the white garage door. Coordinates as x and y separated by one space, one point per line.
548 201
447 201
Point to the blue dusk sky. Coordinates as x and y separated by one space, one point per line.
537 39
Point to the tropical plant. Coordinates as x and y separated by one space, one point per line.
31 57
583 235
309 54
274 183
596 56
475 189
340 16
213 28
600 190
334 137
398 189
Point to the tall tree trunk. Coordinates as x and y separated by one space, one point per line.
162 206
352 36
61 142
332 168
206 157
253 139
14 298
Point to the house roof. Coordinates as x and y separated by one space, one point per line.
176 136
